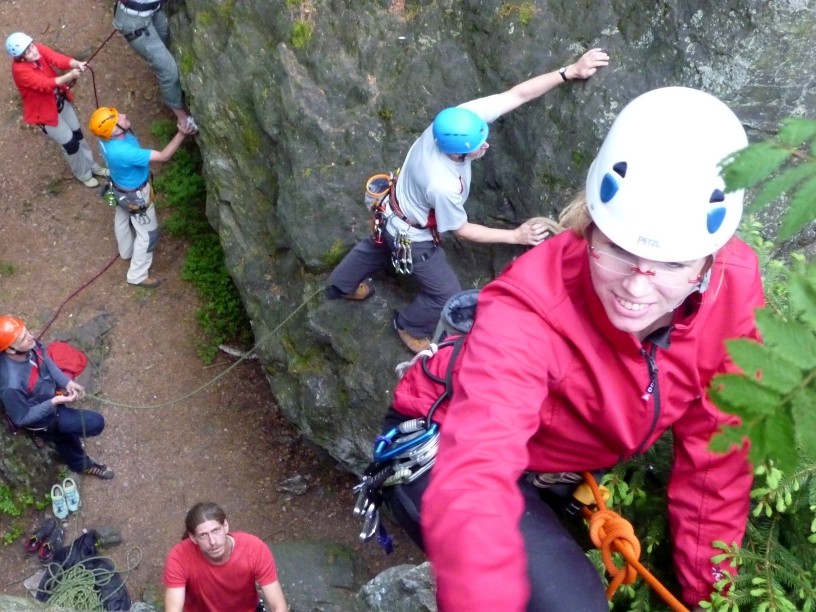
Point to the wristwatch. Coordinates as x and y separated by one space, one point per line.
563 73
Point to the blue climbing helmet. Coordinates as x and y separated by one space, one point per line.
17 43
655 188
457 130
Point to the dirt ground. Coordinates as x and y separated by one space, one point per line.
227 443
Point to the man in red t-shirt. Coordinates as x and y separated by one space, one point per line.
212 570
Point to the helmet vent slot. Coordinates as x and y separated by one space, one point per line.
609 187
620 169
715 219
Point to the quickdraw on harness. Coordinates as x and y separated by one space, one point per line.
381 197
402 454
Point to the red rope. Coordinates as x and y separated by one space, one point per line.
70 297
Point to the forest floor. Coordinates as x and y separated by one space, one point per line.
228 442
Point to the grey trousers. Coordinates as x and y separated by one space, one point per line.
151 45
431 270
136 237
73 146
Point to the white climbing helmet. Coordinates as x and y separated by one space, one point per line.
655 188
17 43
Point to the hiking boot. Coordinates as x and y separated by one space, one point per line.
91 182
39 536
99 470
148 283
363 292
415 345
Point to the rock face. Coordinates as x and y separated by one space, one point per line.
301 101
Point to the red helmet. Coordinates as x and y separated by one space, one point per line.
10 328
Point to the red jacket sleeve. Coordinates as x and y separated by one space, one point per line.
472 507
709 493
25 75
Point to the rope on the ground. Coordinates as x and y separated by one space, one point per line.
609 531
76 587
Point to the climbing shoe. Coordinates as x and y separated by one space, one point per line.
99 470
363 292
38 537
51 544
58 503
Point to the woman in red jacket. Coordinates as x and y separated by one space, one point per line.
583 352
47 101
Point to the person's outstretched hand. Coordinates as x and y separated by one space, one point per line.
587 64
535 230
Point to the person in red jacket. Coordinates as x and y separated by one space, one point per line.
584 351
47 101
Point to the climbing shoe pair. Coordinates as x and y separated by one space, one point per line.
65 498
44 540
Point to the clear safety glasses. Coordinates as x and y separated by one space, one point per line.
674 275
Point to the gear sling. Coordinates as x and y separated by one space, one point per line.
381 195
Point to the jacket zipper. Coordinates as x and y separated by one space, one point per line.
652 391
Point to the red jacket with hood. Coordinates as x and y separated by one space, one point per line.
37 84
545 383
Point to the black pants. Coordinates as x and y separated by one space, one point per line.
561 576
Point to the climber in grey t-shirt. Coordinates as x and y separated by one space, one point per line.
431 190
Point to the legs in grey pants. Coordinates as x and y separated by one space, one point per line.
430 268
73 146
151 45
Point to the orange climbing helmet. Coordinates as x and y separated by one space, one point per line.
103 121
10 328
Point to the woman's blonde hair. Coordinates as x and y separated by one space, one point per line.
575 215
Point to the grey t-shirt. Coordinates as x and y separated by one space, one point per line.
429 179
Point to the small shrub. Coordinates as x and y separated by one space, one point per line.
301 33
181 186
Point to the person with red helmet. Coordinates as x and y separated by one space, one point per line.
583 352
429 198
48 103
36 395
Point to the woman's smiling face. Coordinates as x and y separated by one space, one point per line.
638 295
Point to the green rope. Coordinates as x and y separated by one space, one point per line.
76 587
216 378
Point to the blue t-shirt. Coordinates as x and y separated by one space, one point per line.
129 163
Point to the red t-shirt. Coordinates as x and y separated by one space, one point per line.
216 588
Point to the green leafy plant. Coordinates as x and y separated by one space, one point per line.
775 396
182 190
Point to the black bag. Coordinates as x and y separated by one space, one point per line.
109 584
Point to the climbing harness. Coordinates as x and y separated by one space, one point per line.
404 453
381 199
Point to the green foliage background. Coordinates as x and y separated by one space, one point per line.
181 190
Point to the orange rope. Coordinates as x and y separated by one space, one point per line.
609 530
